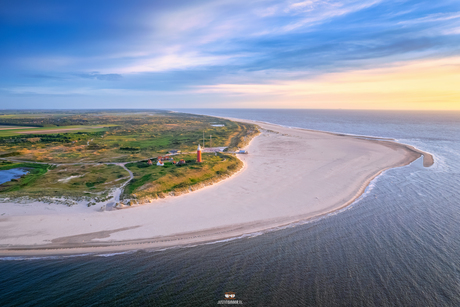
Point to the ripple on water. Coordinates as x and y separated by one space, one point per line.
398 245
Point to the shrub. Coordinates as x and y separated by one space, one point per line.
181 185
232 167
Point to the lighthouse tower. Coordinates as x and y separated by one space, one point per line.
198 154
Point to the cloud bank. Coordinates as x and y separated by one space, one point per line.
229 53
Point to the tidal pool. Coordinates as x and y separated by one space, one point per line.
7 175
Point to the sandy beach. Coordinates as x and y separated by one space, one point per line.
289 175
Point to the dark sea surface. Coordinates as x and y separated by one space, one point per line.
398 245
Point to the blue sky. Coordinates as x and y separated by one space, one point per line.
262 53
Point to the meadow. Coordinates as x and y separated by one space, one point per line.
125 137
82 144
6 131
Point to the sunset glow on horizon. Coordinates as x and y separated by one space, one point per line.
339 54
422 85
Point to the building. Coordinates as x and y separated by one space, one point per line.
165 158
160 163
149 162
198 154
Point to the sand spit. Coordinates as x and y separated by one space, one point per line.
289 175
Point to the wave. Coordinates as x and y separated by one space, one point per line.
25 258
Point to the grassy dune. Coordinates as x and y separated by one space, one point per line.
35 172
154 181
125 138
90 181
69 137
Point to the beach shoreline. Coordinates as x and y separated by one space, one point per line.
250 208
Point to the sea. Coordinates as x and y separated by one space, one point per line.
397 245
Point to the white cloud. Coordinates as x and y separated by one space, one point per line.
406 77
320 12
167 62
59 91
187 34
432 18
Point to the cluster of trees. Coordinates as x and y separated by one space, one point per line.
138 134
49 138
14 139
42 121
33 138
130 148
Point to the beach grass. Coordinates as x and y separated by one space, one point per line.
66 180
35 171
151 181
125 137
88 138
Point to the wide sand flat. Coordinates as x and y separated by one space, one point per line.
289 175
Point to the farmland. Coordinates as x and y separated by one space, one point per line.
6 131
78 150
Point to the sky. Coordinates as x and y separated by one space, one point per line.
328 54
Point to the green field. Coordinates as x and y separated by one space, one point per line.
125 137
6 131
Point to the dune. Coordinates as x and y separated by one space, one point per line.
289 175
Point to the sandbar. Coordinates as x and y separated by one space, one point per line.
289 175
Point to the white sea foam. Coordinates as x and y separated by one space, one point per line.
25 258
117 253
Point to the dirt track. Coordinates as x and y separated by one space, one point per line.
56 130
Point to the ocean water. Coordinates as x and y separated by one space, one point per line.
7 175
398 245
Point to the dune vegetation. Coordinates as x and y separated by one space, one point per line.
152 181
72 153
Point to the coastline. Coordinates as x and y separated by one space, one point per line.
428 159
249 206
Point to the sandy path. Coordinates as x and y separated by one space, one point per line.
289 175
117 193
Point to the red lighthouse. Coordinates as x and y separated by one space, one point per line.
198 154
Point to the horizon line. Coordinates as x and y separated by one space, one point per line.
172 109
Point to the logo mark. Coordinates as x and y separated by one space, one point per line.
229 295
230 299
